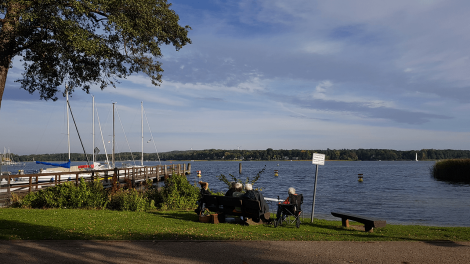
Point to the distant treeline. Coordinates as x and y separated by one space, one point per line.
268 154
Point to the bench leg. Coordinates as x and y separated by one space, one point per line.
221 218
215 218
345 222
369 228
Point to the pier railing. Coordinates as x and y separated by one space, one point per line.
26 183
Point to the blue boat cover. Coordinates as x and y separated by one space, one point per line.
65 165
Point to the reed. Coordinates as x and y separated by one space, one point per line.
455 170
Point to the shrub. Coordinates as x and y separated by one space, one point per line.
457 170
178 193
130 200
67 195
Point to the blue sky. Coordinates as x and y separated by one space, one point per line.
282 75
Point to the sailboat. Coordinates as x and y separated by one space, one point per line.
65 167
416 159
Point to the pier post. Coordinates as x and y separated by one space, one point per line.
8 189
133 177
116 173
189 168
165 172
239 168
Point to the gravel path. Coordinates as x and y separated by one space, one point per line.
240 252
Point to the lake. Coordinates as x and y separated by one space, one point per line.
401 192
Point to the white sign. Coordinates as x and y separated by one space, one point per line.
318 159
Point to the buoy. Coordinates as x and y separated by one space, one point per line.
198 173
276 173
360 178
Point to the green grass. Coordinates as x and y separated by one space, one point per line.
76 224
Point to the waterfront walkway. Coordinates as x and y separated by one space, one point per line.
240 252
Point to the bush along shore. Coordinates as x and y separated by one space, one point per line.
177 193
453 170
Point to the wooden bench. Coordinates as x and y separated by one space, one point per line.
369 222
225 205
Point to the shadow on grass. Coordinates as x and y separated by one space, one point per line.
357 233
12 230
179 215
22 242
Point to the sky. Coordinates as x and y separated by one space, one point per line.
277 74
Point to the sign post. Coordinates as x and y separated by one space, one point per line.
317 159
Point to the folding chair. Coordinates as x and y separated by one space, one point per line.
290 213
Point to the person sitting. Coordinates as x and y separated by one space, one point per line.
204 188
231 190
204 191
237 191
251 194
290 191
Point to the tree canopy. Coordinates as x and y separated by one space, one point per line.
81 43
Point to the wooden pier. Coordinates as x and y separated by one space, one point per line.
26 183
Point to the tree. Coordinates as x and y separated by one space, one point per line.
269 153
84 42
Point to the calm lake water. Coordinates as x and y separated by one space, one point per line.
401 192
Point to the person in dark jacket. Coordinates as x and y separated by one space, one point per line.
250 194
204 191
204 188
231 190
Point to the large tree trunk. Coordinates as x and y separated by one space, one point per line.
4 66
7 33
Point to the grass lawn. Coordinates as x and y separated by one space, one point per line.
70 224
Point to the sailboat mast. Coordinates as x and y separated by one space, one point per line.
93 127
114 165
68 122
142 123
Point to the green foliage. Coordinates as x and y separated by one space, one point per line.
130 200
86 43
452 170
67 195
178 193
224 179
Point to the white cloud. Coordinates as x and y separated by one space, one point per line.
322 48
